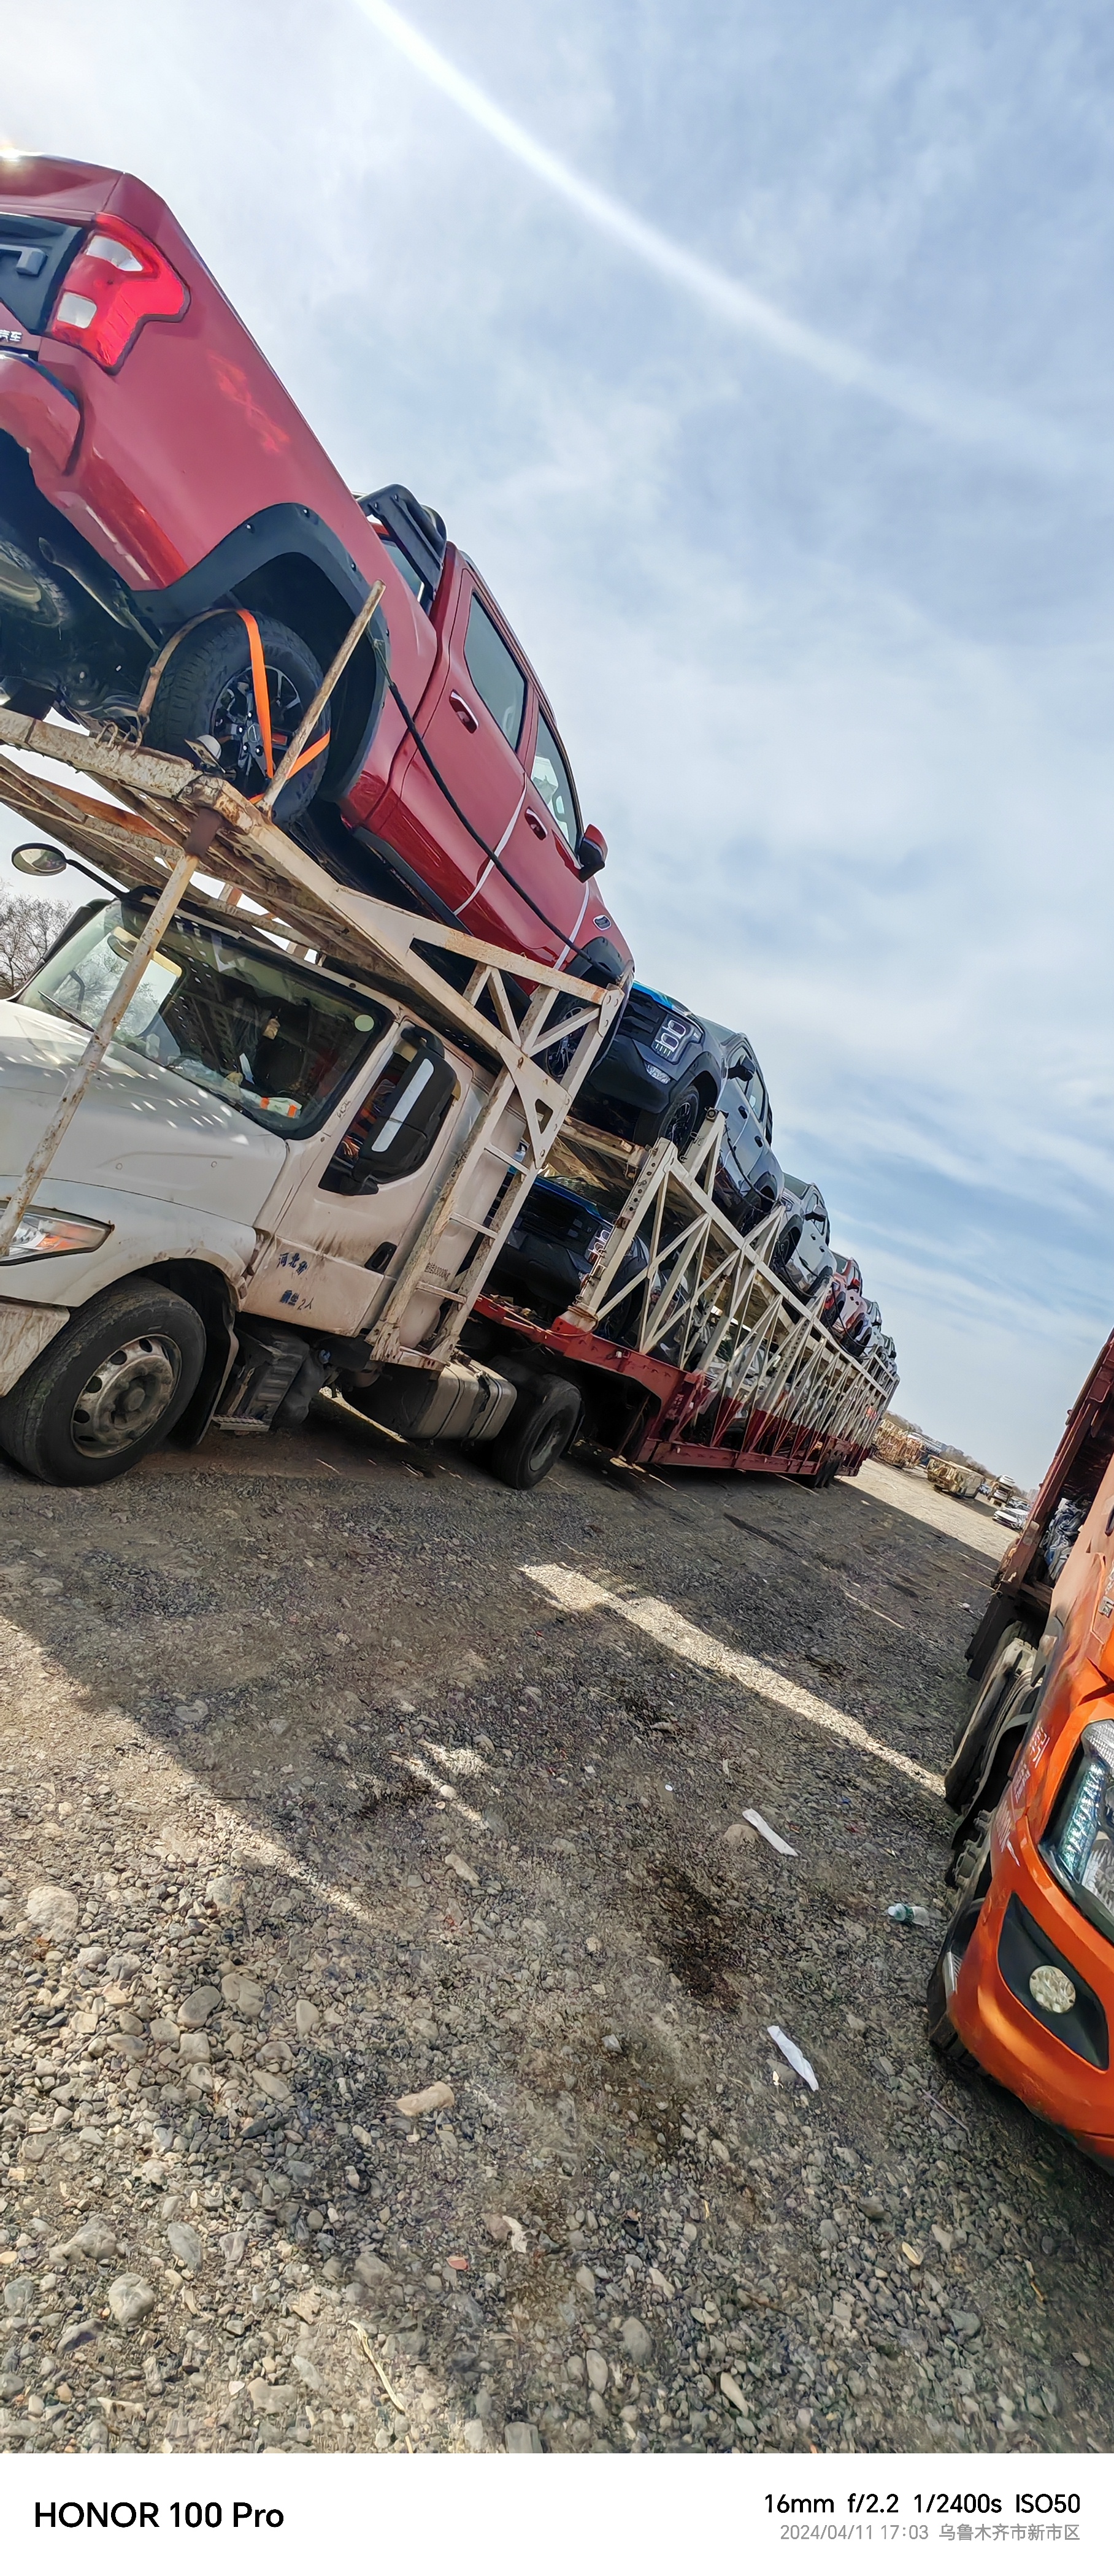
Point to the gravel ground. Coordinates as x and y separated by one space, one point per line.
317 1802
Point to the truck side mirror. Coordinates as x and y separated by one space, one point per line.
591 851
39 859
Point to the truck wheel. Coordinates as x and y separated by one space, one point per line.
1018 1631
545 1416
942 2033
1008 1674
107 1389
208 688
683 1121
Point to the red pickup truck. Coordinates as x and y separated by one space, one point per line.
177 553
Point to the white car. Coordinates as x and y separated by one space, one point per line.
1012 1515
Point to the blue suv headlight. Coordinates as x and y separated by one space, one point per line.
674 1036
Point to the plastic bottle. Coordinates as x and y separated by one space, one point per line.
918 1914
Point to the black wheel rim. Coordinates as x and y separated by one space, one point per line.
234 723
683 1124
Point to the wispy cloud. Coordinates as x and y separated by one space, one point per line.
948 411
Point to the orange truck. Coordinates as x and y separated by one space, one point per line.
1024 1982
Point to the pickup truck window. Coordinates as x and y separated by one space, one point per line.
551 778
273 1040
495 672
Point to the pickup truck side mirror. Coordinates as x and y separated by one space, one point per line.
591 851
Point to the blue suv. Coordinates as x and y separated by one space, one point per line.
659 1075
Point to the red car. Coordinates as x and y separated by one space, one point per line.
178 554
844 1308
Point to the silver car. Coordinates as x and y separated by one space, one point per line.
802 1255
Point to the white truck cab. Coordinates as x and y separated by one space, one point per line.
235 1199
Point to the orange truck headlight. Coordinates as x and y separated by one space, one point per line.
1079 1845
45 1232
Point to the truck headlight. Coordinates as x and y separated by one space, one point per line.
673 1037
44 1232
1080 1845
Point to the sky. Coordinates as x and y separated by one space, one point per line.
759 353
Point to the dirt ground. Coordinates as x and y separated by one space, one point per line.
357 1778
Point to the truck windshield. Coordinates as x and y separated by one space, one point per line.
268 1036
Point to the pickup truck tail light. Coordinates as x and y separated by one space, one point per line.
116 283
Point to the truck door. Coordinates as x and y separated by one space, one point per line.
362 1190
472 734
541 857
741 1100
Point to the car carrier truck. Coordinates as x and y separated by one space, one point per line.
262 1136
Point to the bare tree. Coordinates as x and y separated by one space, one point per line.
27 929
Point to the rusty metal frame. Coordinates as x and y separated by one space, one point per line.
716 1288
168 812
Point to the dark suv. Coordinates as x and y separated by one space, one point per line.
802 1255
660 1074
549 1251
748 1180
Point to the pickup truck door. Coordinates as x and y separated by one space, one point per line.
738 1154
471 729
541 856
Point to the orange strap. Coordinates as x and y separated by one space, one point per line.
259 686
311 752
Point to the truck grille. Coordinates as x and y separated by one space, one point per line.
643 1015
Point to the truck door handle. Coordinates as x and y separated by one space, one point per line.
536 824
461 708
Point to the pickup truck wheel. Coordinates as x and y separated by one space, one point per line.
208 688
545 1416
107 1389
682 1122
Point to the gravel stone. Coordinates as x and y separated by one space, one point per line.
195 2009
53 1910
667 2184
130 2298
185 2245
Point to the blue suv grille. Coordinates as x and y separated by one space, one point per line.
643 1015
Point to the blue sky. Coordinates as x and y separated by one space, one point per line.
830 643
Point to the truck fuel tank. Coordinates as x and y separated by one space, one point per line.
459 1403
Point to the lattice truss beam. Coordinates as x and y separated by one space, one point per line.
709 1301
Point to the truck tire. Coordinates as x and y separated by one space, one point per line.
682 1122
942 2033
1008 1674
971 1877
108 1388
207 688
545 1416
